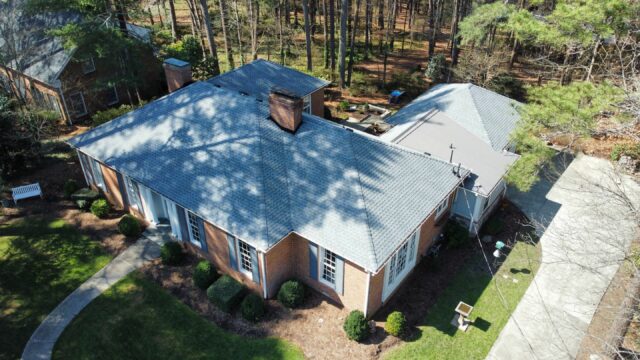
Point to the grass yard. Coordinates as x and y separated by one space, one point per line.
438 339
137 319
41 262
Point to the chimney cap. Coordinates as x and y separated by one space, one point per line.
176 62
284 92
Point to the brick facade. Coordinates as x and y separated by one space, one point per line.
317 103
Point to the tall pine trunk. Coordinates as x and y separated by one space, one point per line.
227 48
344 13
213 52
380 14
307 33
433 31
332 36
238 27
174 22
253 28
453 41
325 30
353 41
367 28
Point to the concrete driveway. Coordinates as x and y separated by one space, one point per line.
586 229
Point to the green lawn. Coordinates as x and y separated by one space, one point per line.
41 262
438 339
137 319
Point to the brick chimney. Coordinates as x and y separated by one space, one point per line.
178 73
285 109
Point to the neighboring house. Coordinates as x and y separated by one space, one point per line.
259 77
468 125
36 67
268 192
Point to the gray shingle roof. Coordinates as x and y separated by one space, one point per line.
216 152
260 76
486 114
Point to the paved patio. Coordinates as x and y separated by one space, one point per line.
586 232
40 345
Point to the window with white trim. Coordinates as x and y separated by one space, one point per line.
327 267
133 194
442 207
111 96
76 105
194 228
88 66
244 252
307 104
400 264
97 173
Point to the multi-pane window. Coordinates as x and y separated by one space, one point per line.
402 261
111 96
76 104
328 267
88 66
307 104
442 207
134 195
194 228
97 173
392 271
246 265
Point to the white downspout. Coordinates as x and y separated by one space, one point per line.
264 276
366 295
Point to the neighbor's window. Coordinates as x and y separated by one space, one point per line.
194 228
111 96
442 207
88 66
246 265
328 267
307 104
76 105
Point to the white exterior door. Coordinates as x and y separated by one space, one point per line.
400 265
174 221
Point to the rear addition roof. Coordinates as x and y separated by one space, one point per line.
484 113
216 153
260 76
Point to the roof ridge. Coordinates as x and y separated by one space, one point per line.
372 249
475 109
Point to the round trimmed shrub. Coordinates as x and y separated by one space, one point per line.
356 326
291 294
100 208
252 307
129 226
396 324
204 274
171 253
70 186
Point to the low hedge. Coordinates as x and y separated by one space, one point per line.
204 274
291 294
225 293
171 253
100 208
129 226
356 326
396 324
252 307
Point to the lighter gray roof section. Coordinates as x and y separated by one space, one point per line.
260 76
434 134
216 152
486 114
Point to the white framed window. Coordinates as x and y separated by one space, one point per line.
133 194
442 207
88 66
327 267
244 256
111 97
400 264
75 102
194 228
307 104
97 173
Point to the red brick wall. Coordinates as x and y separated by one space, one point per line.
317 103
111 181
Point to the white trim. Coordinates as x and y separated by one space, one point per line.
321 255
310 102
93 66
410 261
84 105
239 259
84 172
442 207
366 294
263 274
190 229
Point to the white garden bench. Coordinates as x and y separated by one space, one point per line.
26 191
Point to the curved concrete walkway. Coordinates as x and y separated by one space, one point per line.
586 231
40 345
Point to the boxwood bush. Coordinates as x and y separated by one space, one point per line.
100 208
252 307
129 226
204 274
356 326
82 204
455 234
172 253
70 186
396 324
291 294
225 293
